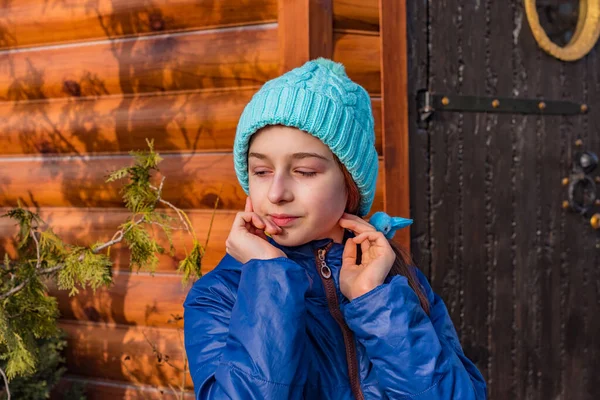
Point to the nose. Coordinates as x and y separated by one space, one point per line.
280 190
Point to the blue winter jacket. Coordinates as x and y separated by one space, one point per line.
281 329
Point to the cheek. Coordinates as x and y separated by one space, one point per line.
331 199
255 192
340 199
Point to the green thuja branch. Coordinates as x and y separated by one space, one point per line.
28 314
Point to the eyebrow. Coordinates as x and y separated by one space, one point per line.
297 156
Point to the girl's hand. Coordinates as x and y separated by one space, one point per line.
376 261
247 239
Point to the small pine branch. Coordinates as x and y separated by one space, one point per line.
28 314
26 220
85 268
143 248
191 265
118 174
138 194
164 222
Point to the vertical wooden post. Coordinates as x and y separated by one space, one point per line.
305 29
394 96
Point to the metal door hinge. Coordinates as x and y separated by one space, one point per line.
429 103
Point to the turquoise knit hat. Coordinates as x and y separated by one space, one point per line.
320 99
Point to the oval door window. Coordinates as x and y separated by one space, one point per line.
572 27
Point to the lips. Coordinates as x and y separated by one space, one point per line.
282 219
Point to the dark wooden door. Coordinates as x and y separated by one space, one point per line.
520 275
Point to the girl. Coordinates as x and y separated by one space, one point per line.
311 301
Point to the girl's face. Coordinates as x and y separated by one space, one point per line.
293 174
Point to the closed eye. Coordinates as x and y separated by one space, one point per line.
307 174
303 173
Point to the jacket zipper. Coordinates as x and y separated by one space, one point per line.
336 313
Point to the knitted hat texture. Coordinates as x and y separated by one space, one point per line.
320 99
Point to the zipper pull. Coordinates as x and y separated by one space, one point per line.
324 269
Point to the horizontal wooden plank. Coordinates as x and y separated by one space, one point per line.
36 22
29 23
361 54
202 120
193 181
102 389
229 57
356 14
85 227
193 60
133 299
190 121
125 353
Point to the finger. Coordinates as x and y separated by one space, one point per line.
260 233
357 219
263 224
274 228
369 239
253 223
258 221
377 244
357 226
365 244
374 237
270 226
248 206
354 218
249 220
349 254
252 229
351 216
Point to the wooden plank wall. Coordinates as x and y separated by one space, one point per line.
519 274
83 83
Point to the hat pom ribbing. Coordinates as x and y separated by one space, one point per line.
335 67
